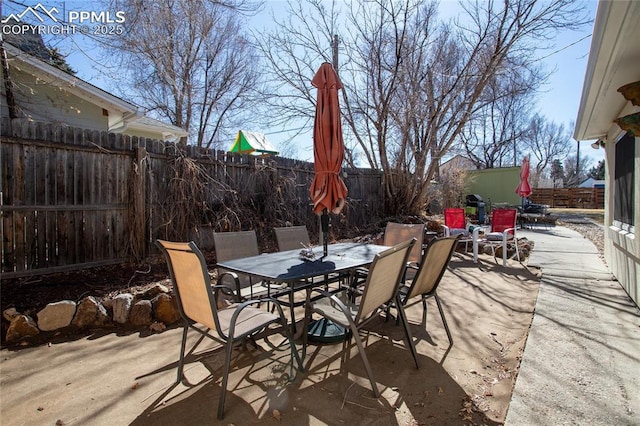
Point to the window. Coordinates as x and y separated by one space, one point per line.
624 183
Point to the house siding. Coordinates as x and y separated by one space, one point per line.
495 185
40 101
622 248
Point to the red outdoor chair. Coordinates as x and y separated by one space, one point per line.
503 232
455 223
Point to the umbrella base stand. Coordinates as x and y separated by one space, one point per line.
326 331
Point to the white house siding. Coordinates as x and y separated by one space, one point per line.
622 249
41 101
613 62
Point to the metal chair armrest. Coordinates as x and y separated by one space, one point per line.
236 281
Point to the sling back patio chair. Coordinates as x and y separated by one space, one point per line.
292 237
352 313
236 245
297 238
428 277
503 232
455 223
197 305
395 233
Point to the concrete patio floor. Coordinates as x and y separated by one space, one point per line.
128 379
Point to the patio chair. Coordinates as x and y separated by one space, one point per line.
236 245
395 233
292 237
503 232
353 313
455 223
197 304
428 277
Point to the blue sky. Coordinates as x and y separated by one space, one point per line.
559 101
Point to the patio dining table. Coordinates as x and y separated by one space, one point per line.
288 267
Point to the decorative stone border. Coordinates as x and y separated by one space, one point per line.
155 308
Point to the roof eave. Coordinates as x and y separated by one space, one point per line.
613 60
165 130
75 85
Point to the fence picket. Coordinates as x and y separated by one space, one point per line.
588 198
69 196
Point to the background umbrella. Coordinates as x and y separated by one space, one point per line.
523 189
328 191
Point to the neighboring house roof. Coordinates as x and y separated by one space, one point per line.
459 162
591 182
613 62
252 143
123 115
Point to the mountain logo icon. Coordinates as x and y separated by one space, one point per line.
38 11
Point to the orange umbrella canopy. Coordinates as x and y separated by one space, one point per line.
523 189
328 190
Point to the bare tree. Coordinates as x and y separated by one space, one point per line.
294 48
546 141
576 170
412 83
493 135
190 63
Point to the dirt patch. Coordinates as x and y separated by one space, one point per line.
488 308
29 295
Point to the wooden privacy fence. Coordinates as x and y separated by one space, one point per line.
585 198
75 198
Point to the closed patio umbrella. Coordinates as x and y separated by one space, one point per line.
523 189
328 191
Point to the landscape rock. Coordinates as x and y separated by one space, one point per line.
141 313
122 307
107 303
10 314
165 308
153 291
90 313
157 326
21 326
56 315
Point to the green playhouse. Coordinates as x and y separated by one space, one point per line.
252 143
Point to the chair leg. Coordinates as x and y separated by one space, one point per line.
225 377
294 355
504 252
407 331
183 347
444 320
289 333
365 360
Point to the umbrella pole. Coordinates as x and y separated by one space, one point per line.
324 224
